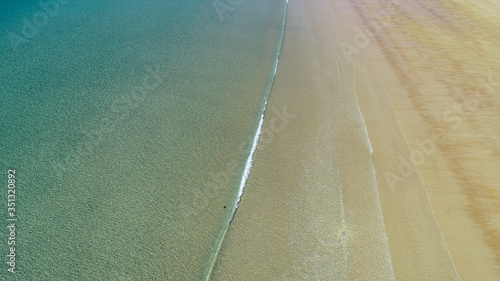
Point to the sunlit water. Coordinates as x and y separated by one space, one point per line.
128 125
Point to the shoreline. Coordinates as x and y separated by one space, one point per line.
249 162
271 235
310 204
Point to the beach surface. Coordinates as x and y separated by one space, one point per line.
437 62
378 154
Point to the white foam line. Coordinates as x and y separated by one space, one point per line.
249 162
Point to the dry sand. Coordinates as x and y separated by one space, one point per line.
437 62
319 205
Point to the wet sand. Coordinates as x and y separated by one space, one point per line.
319 205
310 208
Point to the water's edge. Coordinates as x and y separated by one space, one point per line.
207 272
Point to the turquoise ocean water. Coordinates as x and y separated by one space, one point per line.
128 125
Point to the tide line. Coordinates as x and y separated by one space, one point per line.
248 164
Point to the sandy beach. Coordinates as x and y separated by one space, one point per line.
437 64
378 154
250 140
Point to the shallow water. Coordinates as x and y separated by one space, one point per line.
128 125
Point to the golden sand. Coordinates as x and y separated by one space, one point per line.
437 62
423 76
